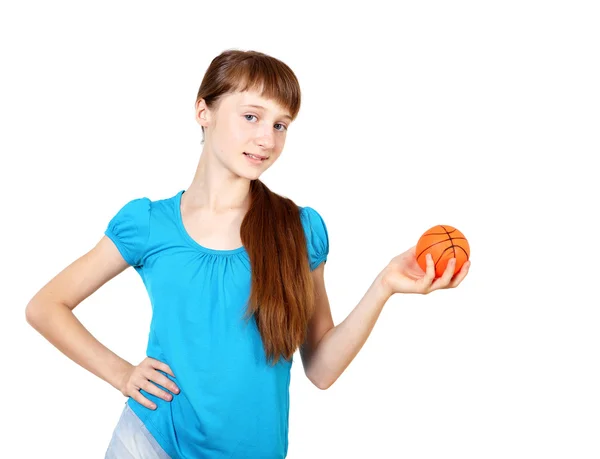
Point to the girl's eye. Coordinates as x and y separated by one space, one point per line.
280 127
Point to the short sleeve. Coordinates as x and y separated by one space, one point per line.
129 229
317 239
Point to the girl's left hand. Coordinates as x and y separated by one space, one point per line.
404 275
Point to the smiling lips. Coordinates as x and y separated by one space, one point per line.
255 157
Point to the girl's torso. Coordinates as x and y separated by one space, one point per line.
232 402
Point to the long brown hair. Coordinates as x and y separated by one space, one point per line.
281 298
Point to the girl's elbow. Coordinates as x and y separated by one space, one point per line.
323 386
37 313
32 314
322 383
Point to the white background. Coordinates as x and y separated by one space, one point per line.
480 115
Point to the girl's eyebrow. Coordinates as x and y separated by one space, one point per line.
260 107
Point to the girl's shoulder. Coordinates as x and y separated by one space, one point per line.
317 237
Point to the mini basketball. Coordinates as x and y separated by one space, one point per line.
443 242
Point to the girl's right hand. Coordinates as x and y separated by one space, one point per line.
142 376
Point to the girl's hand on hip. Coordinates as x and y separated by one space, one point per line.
143 376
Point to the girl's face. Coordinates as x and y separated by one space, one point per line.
244 131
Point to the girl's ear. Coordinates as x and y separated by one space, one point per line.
202 113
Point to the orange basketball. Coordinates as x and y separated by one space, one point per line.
443 242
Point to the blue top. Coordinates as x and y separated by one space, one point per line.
232 403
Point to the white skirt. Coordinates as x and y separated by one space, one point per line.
132 440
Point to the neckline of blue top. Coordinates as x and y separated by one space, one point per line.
192 241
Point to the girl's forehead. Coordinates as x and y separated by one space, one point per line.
253 97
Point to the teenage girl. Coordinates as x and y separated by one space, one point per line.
234 273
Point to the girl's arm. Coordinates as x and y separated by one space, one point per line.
50 312
329 349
